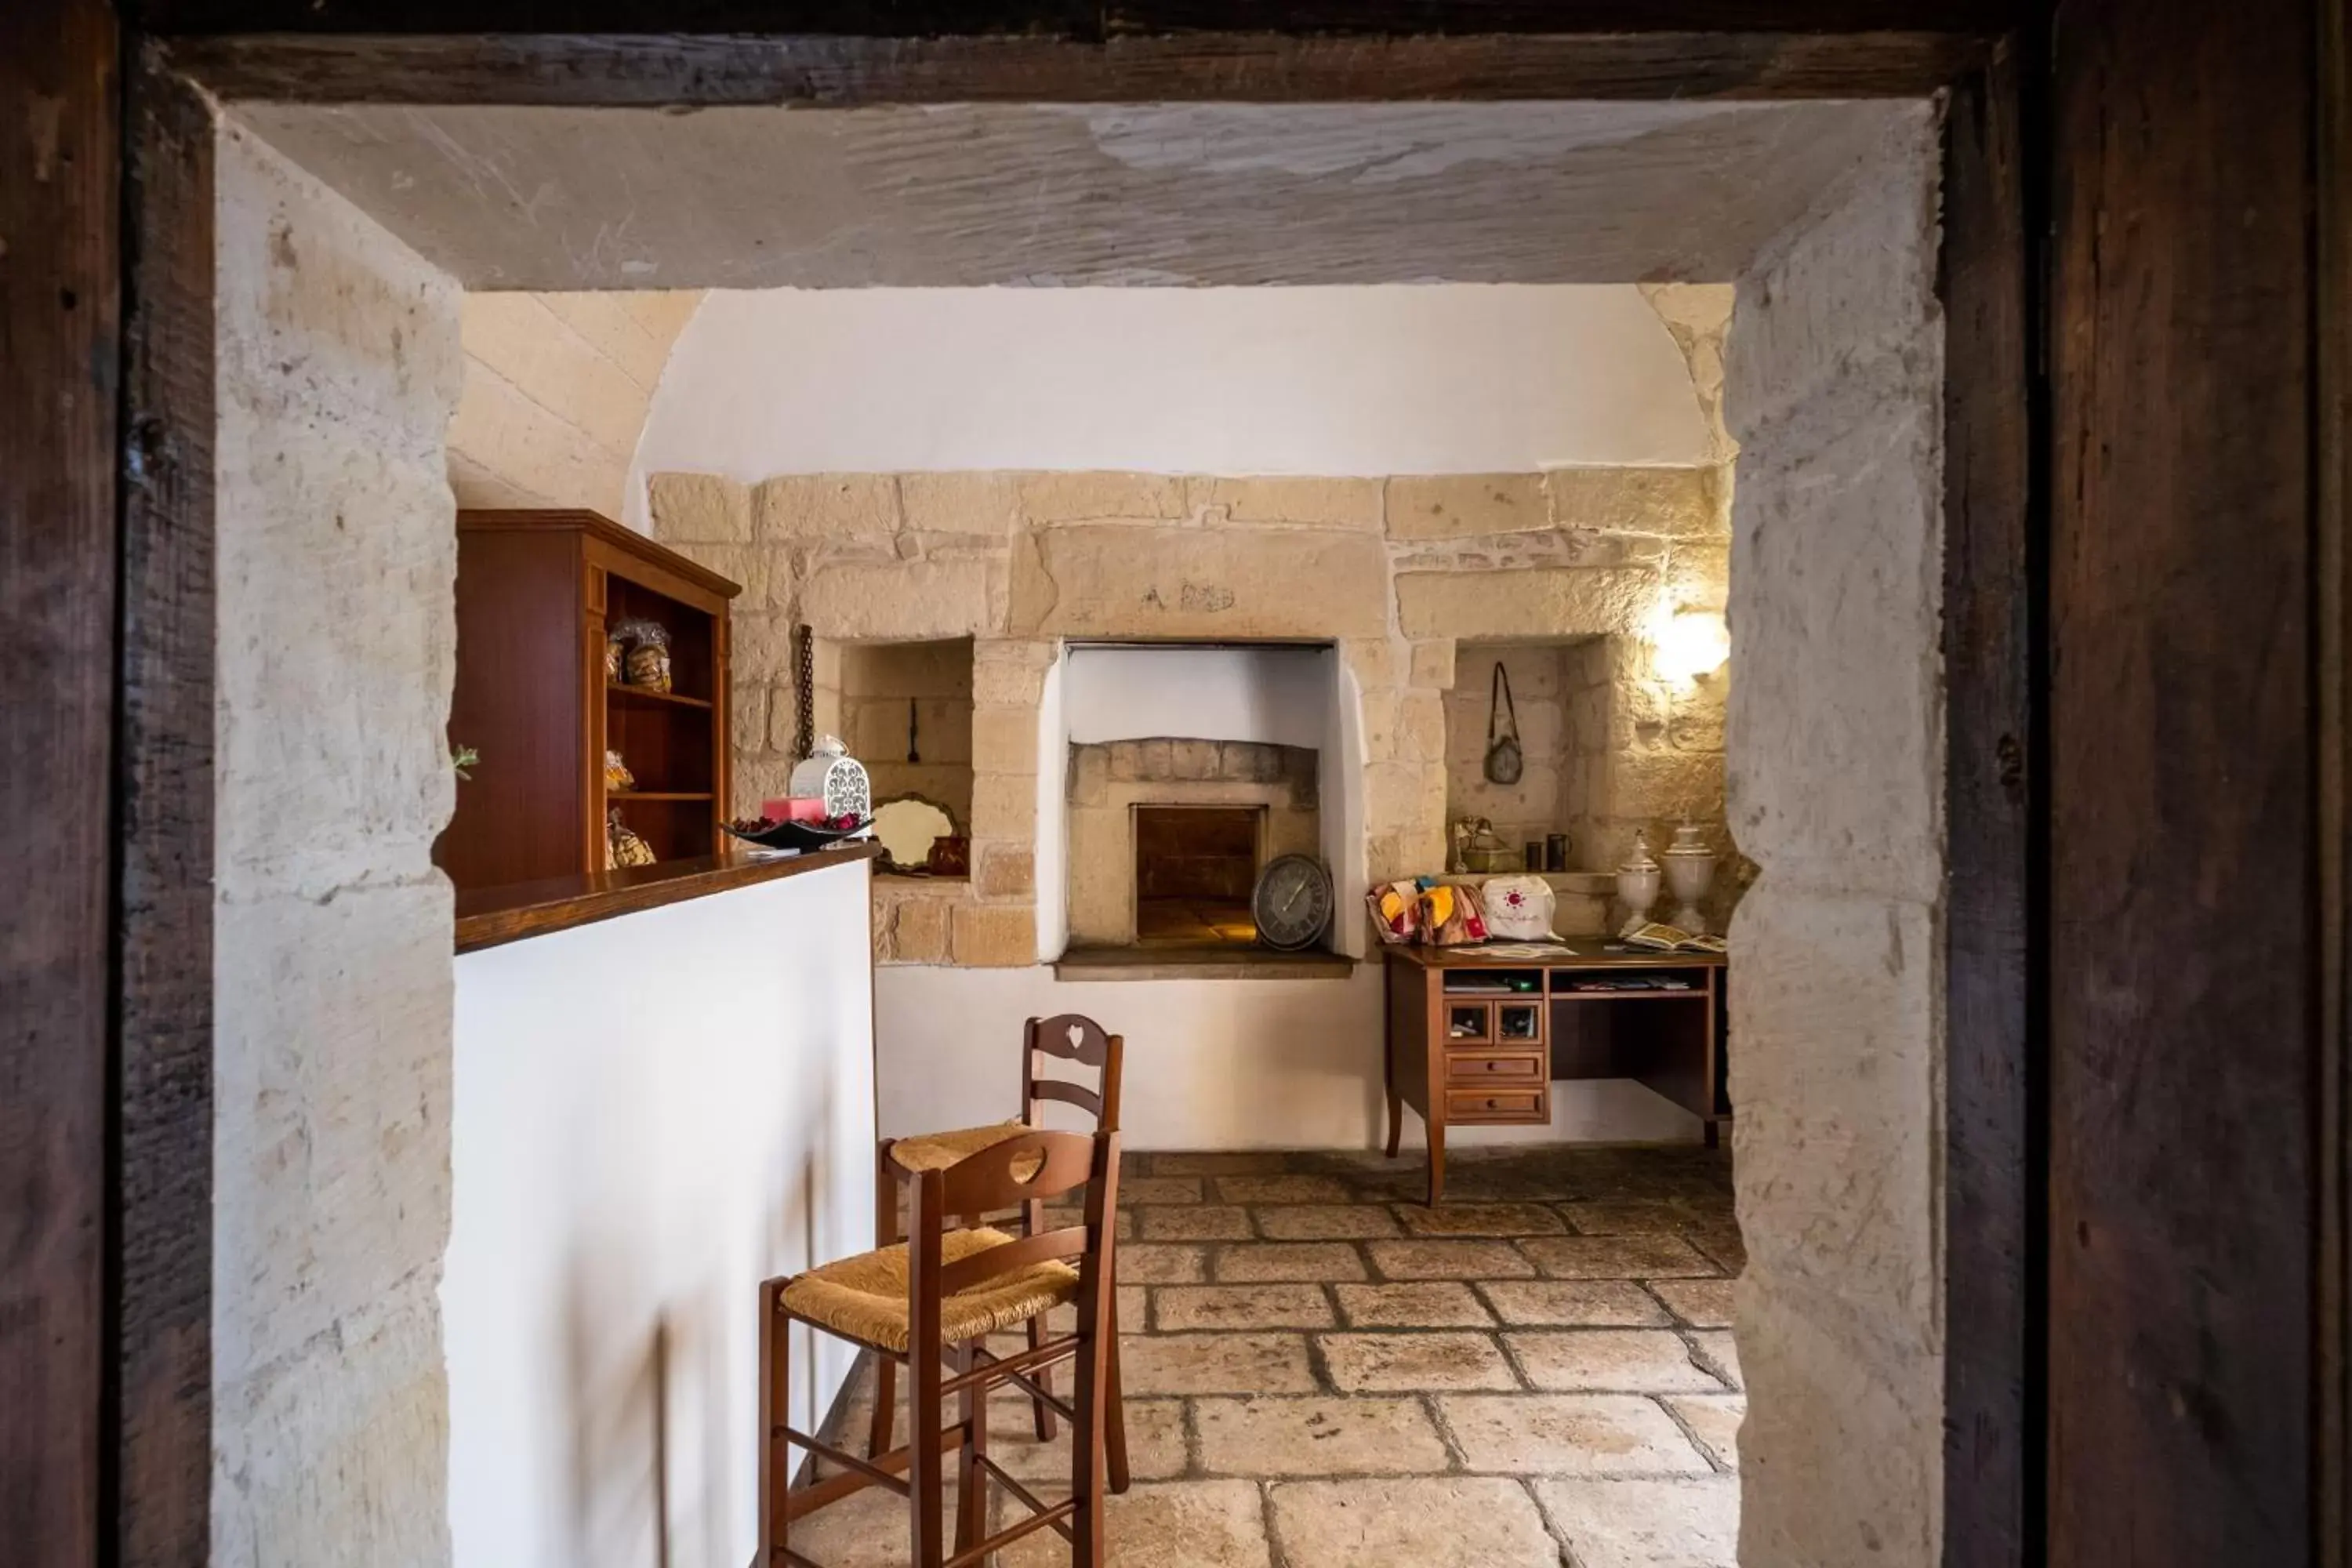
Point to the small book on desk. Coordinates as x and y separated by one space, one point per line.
1657 938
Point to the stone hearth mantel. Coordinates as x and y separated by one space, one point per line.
1228 962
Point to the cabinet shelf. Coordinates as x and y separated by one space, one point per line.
537 594
647 694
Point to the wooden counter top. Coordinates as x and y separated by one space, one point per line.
488 917
1585 952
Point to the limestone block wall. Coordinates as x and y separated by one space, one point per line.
1836 725
557 386
338 366
1396 571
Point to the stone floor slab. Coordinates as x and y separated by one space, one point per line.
1171 1525
1632 1360
1714 1419
1254 1262
1176 1308
1215 1363
1325 1222
1425 1304
1317 1436
1212 1164
1408 1362
1701 1303
1647 1524
1450 1259
1147 1263
1573 1303
1569 1435
1197 1222
1454 1521
1629 1216
1159 1190
1134 1305
1719 1352
1617 1258
1156 1443
1479 1219
1281 1190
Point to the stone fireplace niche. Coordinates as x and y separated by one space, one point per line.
1188 768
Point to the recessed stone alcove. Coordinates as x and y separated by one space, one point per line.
1111 785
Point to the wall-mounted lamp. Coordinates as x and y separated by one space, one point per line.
1688 644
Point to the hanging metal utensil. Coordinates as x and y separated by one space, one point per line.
914 753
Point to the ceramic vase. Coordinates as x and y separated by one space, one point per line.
1690 872
1638 881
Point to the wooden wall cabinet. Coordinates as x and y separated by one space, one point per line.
536 592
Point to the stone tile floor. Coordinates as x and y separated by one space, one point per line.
1321 1371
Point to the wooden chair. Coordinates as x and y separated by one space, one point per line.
1069 1038
938 1296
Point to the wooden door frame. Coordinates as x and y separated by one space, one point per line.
154 1184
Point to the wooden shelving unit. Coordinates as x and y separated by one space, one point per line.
536 593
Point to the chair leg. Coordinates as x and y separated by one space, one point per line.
885 1370
971 1493
1044 1379
923 1472
775 1412
1114 1409
1086 1463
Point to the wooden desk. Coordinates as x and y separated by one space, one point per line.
1476 1039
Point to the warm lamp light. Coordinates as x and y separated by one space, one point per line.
1688 644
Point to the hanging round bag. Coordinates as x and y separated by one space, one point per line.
1503 759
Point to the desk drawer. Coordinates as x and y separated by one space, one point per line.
1496 1105
1517 1070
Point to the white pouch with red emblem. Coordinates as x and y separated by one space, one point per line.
1518 907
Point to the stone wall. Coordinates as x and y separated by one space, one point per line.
1107 782
1395 570
556 392
339 363
1836 728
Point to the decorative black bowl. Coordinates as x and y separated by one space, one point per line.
800 834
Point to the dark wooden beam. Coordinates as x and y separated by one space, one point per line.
2185 961
1991 620
677 68
164 799
1089 20
59 283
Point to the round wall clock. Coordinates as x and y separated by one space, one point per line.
1292 904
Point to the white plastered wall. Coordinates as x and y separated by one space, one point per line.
1836 767
632 1159
337 367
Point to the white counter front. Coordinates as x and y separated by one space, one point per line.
653 1113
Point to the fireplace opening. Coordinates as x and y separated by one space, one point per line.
1195 869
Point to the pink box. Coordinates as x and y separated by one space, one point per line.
792 808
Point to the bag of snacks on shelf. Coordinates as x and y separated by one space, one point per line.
623 847
617 776
647 662
616 650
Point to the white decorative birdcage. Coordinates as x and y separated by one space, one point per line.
831 774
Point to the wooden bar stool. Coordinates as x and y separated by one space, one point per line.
1066 1037
937 1297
